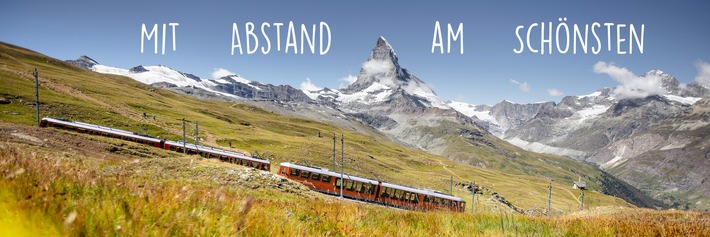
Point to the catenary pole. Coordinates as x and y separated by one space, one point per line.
342 164
37 94
184 138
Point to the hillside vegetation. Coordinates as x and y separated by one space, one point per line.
58 182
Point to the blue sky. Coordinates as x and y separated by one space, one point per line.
675 41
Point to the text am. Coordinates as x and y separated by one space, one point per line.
451 35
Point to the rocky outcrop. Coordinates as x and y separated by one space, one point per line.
83 62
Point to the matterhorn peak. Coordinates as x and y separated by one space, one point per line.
381 77
383 52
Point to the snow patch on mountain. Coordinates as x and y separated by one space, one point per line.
591 112
472 110
542 148
684 100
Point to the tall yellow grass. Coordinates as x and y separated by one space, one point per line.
48 193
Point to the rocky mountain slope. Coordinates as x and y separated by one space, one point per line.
645 141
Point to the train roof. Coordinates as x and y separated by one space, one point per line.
101 128
360 179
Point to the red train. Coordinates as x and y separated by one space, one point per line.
207 152
325 181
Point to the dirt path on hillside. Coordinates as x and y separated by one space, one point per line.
454 174
572 194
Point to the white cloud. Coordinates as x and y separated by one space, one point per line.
221 72
347 81
373 67
630 85
703 77
555 92
524 87
460 97
309 86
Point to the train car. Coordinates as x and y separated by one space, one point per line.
223 155
101 131
204 151
420 199
325 181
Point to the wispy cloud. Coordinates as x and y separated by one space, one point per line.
630 85
555 92
460 97
524 87
309 86
703 77
221 72
347 81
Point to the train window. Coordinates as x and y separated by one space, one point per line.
427 198
437 200
390 192
415 198
295 172
405 197
383 193
445 201
282 170
358 187
325 178
315 176
371 189
255 164
349 185
337 182
396 195
212 155
305 174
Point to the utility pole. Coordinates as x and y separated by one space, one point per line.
333 152
581 202
37 94
473 197
342 164
549 198
184 138
196 134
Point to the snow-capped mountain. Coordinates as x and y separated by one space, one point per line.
616 133
382 79
233 86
